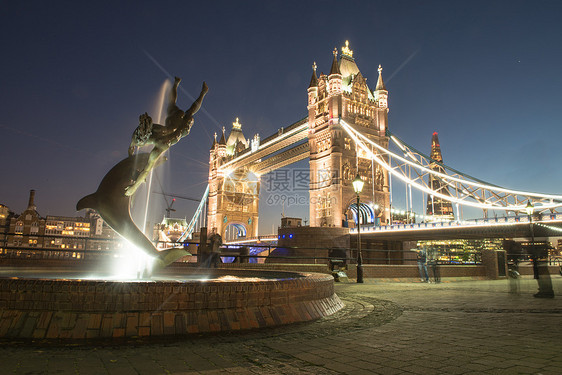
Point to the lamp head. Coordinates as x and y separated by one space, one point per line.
529 208
358 184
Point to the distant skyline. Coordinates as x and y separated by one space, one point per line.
75 77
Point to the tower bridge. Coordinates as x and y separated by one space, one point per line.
346 134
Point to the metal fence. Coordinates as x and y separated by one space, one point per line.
95 248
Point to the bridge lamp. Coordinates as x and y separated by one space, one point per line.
358 184
358 187
529 208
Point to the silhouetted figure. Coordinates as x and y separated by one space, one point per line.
541 273
214 256
422 265
433 261
244 255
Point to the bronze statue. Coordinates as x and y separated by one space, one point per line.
113 206
178 124
113 196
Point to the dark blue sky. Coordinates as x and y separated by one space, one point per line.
486 75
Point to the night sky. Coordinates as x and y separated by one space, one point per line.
75 76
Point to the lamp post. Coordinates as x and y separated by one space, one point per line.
357 187
529 209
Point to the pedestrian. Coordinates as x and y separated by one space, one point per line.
422 265
216 243
433 261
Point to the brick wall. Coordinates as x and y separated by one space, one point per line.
82 309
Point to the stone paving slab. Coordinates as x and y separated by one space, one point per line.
472 327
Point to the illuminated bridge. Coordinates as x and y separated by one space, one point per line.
345 135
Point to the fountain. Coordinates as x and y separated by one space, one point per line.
176 300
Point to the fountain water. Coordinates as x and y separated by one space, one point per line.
140 265
161 103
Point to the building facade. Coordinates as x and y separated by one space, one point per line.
31 236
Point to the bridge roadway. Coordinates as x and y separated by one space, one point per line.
503 227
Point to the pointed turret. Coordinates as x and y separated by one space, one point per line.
222 141
380 83
314 79
335 69
214 142
437 207
335 79
380 93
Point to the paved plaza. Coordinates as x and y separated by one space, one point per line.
457 327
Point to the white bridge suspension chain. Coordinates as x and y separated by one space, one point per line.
463 189
189 231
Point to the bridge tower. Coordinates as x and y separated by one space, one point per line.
233 193
335 160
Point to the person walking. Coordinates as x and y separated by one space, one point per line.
422 265
216 243
433 261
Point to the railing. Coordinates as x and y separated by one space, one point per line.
258 253
318 255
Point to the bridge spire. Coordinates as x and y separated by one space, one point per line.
335 69
314 79
214 142
380 83
223 138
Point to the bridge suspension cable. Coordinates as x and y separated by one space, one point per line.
462 188
196 217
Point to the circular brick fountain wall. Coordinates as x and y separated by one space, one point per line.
81 309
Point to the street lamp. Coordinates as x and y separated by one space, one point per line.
357 187
529 209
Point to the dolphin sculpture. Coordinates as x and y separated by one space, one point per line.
113 206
